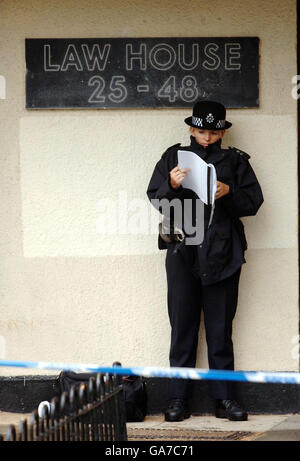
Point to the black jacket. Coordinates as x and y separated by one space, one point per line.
222 250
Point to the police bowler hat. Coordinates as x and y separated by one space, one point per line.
209 115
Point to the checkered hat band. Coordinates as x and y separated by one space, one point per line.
199 122
220 124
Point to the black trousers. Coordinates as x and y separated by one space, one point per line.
186 297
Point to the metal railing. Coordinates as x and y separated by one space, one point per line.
91 412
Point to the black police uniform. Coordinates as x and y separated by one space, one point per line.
207 275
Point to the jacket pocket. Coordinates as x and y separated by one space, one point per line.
219 250
225 172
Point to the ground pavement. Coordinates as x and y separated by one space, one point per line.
205 428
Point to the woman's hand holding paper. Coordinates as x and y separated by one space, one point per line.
177 176
222 189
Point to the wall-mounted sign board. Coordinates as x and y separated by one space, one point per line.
141 72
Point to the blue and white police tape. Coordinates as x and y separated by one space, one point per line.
160 372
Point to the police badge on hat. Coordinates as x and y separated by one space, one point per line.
209 115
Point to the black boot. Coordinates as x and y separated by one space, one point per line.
231 410
177 410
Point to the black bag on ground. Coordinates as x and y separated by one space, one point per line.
135 395
134 388
67 379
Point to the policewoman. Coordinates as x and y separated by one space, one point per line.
206 276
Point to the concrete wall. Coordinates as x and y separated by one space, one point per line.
69 294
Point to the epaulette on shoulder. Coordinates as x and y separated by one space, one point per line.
175 145
171 147
240 152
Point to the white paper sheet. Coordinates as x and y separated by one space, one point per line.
213 183
196 178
